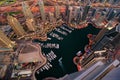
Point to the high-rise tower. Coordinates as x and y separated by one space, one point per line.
5 42
79 15
93 12
102 1
98 20
57 11
51 17
106 28
84 15
42 10
14 23
111 15
67 10
26 11
70 14
30 22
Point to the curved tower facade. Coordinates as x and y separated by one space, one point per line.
14 23
5 42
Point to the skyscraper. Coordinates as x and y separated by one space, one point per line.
101 34
107 27
118 13
94 1
84 15
75 12
14 23
118 28
42 11
103 13
5 42
116 1
109 11
51 17
67 10
57 11
93 12
111 15
70 14
30 22
78 15
99 21
26 11
102 1
109 1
